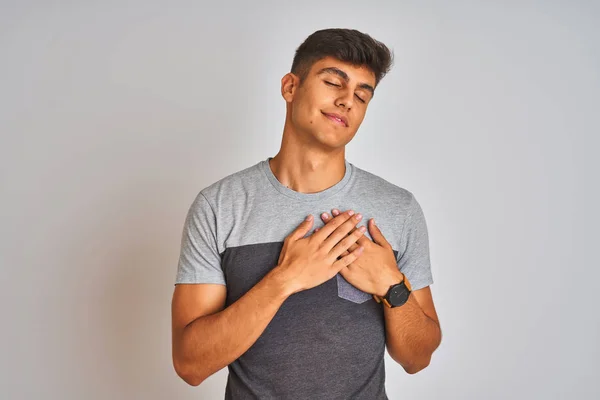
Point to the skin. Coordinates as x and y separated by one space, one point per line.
312 153
207 336
413 330
311 159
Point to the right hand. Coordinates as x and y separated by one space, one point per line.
306 262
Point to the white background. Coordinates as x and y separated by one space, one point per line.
113 115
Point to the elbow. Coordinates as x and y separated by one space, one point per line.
414 368
187 373
411 365
191 380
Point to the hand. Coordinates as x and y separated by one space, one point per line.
376 270
306 262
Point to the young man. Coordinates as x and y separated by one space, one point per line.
296 312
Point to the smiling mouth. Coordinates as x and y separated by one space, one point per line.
335 119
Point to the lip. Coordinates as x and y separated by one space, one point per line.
340 119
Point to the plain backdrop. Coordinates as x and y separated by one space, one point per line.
115 114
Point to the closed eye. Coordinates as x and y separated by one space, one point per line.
333 84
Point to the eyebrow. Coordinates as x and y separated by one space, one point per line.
344 76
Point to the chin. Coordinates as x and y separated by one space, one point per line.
331 139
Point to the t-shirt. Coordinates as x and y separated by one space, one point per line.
326 342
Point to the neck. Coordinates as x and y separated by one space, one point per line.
305 168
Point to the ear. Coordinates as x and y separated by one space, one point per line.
289 84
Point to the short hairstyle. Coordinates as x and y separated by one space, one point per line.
348 45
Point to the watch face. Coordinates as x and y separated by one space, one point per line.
399 295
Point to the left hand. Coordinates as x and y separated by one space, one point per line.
376 269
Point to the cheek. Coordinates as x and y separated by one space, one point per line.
301 115
306 113
360 117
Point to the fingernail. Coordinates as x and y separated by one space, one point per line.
335 212
324 216
309 218
350 212
373 221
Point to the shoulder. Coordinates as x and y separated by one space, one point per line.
382 190
232 187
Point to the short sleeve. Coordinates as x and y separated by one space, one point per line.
414 260
199 260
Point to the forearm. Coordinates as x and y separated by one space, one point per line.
212 342
411 336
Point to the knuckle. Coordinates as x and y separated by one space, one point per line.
319 252
347 242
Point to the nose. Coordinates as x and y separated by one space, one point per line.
345 99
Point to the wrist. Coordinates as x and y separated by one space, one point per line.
391 279
281 283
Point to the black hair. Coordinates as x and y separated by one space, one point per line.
348 45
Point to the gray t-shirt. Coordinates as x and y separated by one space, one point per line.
327 342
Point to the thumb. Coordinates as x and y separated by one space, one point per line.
303 228
377 235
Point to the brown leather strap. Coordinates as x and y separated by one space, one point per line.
384 300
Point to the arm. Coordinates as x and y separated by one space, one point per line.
412 330
207 337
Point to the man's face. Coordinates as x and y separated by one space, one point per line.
331 103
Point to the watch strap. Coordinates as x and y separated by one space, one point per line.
384 300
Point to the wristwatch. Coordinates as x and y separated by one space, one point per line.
397 294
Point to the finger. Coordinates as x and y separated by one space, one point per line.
345 272
377 235
325 217
344 254
363 240
347 260
334 213
355 245
345 243
352 248
331 226
303 228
